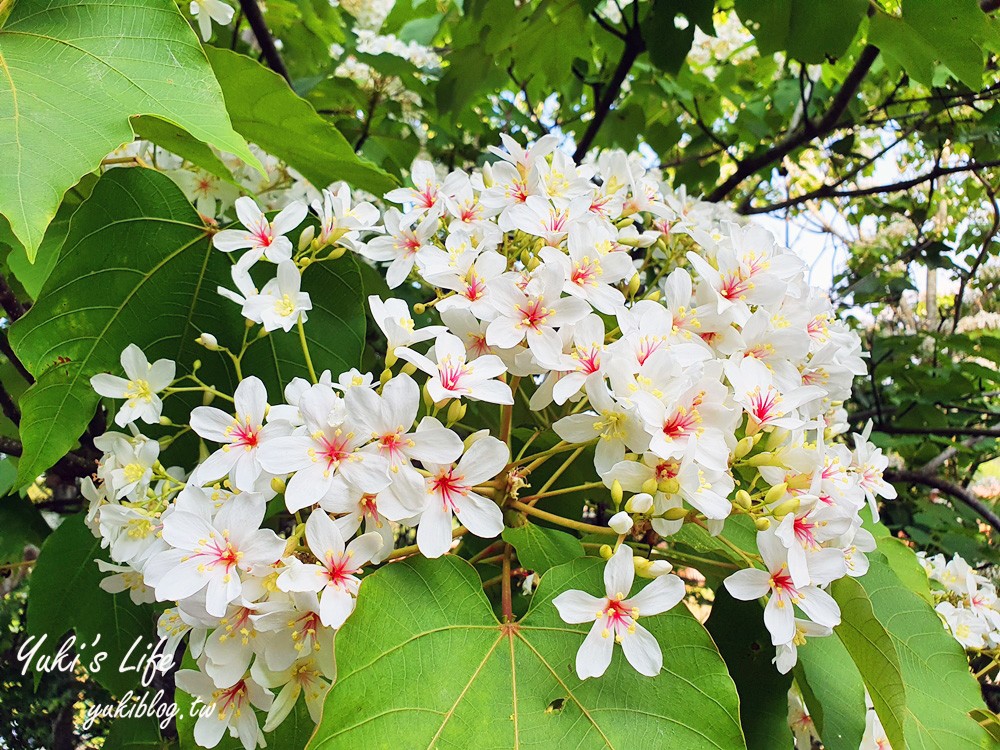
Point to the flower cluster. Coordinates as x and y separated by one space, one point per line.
966 601
685 357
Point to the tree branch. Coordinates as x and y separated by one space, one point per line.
6 350
952 490
984 432
70 465
634 46
9 301
809 131
987 241
256 20
830 191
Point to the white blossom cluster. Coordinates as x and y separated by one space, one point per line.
690 354
966 600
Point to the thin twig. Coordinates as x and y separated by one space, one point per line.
264 39
952 490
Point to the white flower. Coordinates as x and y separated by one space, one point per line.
620 522
454 377
334 577
392 316
402 246
615 617
261 236
231 708
241 436
211 554
281 303
207 11
779 612
339 221
139 389
449 490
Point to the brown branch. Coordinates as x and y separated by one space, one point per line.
830 191
984 432
9 301
264 39
810 130
952 490
70 465
987 241
8 406
6 350
634 46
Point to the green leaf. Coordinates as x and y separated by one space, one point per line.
66 595
738 630
809 31
171 269
930 33
904 564
22 524
874 654
70 335
489 685
539 548
940 690
32 274
72 73
266 111
178 141
833 691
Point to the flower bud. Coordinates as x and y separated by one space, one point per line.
743 499
641 503
428 401
166 421
762 524
633 285
764 459
207 398
654 295
675 514
651 568
621 522
338 253
789 506
208 341
650 486
278 484
306 238
743 447
419 308
456 411
617 493
669 486
606 551
774 494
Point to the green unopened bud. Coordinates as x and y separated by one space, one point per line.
278 484
338 253
764 459
456 411
419 308
633 285
776 438
743 447
249 323
654 295
533 263
207 398
650 486
762 524
428 401
166 421
304 263
606 551
306 238
524 257
208 341
617 493
675 514
669 486
789 506
744 500
776 493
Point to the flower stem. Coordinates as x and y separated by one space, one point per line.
305 351
532 499
555 475
587 528
413 549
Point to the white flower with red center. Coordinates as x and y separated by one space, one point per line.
469 329
404 243
340 222
592 267
138 388
425 196
616 617
210 554
467 270
804 533
534 314
325 453
262 237
787 654
295 630
537 217
281 303
783 595
450 491
304 677
585 359
241 434
524 158
452 376
232 708
868 466
335 574
766 405
388 418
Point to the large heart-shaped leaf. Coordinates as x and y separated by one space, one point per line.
441 672
114 60
138 268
